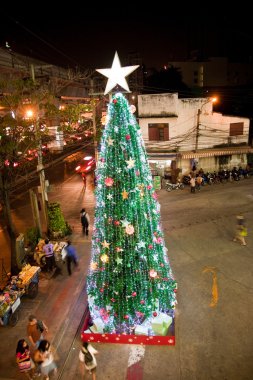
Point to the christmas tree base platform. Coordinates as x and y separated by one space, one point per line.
88 336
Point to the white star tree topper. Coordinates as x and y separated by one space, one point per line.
116 75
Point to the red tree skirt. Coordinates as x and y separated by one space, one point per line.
126 338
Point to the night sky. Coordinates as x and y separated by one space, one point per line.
88 36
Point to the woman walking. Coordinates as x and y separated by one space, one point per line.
46 359
23 358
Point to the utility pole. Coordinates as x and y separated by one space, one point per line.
210 100
197 130
94 114
35 210
40 166
40 170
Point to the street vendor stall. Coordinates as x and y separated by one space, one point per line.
39 254
25 283
28 279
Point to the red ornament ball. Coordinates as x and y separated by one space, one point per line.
128 137
115 101
155 314
142 302
116 222
150 246
126 316
113 299
101 290
134 294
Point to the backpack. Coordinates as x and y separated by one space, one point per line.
40 326
88 359
84 220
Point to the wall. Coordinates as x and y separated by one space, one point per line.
157 105
206 73
182 117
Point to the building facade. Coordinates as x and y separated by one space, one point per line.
182 133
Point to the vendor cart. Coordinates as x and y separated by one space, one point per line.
26 283
9 306
39 254
28 280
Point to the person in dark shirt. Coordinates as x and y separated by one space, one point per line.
71 256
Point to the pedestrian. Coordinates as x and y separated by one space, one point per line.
48 248
45 357
71 256
199 181
192 184
88 360
35 330
85 221
84 179
241 230
23 359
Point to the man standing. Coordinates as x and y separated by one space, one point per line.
48 248
71 256
85 221
35 329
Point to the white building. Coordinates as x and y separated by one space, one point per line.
180 133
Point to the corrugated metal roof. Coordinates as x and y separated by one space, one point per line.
213 153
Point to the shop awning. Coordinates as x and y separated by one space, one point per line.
213 153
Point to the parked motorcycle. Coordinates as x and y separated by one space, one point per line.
173 186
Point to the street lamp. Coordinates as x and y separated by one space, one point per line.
212 100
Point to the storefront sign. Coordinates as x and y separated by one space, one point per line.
15 305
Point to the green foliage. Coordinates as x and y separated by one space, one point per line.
57 223
32 236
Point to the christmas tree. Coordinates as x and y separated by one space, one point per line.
130 281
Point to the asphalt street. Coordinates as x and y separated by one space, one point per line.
214 338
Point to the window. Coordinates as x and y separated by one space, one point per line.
236 129
158 132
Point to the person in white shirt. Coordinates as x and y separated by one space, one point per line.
88 360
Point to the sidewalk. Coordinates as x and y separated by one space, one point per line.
60 302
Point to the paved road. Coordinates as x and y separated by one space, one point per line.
212 342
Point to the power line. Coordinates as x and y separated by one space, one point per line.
42 40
